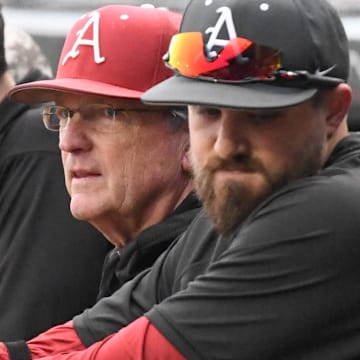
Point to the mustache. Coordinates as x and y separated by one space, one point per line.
240 163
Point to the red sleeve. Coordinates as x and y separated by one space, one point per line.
62 338
140 340
59 339
3 352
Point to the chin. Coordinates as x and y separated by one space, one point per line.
80 215
81 208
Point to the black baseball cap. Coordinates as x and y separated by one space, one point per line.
253 54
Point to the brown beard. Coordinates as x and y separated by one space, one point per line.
232 202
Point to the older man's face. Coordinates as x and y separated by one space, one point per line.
240 157
115 179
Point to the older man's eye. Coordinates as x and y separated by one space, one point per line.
108 112
63 113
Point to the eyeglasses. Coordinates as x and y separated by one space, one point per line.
100 117
239 61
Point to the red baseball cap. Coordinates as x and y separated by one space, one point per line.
115 51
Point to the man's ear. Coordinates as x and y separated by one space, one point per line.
338 106
186 161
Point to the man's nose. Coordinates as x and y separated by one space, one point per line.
74 135
232 137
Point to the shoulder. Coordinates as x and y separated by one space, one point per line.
310 216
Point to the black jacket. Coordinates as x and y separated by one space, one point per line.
123 264
284 285
50 263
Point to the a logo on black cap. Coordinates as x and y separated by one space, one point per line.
226 21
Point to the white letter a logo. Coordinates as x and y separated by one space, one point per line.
225 19
94 19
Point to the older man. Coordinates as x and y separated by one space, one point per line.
41 244
126 165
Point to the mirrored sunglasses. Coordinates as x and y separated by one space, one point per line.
239 61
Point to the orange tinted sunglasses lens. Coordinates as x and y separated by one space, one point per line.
239 59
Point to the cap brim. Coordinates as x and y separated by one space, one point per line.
179 90
47 90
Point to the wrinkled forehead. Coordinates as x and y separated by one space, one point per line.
80 99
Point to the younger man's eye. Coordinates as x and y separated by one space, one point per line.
264 116
209 112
